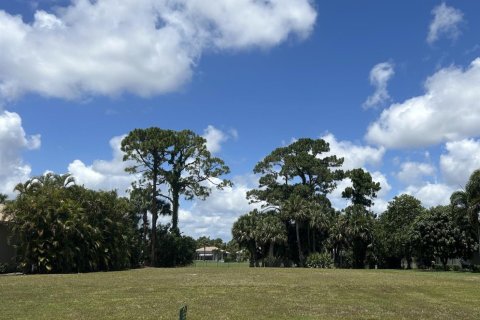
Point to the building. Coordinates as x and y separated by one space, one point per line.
7 252
211 253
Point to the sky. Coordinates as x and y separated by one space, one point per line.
393 86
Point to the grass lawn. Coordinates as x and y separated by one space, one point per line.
242 293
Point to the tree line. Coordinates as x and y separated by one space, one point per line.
297 224
58 226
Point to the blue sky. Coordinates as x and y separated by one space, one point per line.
392 85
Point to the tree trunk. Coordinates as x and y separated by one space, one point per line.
299 245
145 231
444 262
175 206
270 251
252 256
153 238
313 241
478 229
309 240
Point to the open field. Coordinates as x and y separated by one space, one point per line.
242 293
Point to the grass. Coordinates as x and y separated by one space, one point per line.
242 293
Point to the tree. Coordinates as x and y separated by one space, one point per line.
296 209
294 176
270 231
468 202
396 223
297 168
363 188
321 216
244 232
3 198
145 151
178 159
62 227
437 235
359 232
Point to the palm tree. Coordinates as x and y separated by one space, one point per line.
319 219
296 209
244 232
270 231
359 231
469 200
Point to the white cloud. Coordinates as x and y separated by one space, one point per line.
355 156
102 174
145 47
460 160
431 194
216 137
449 110
445 22
215 216
13 141
379 77
412 173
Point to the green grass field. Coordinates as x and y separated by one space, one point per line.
242 293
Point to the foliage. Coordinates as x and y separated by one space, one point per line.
320 260
436 235
298 168
243 231
272 262
173 250
363 188
61 227
359 232
207 242
177 159
467 204
394 229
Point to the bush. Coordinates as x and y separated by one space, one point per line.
319 260
273 262
173 250
3 268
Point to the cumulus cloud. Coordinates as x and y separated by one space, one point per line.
145 47
13 141
431 194
215 216
445 23
460 160
412 173
103 174
216 137
355 156
379 77
448 111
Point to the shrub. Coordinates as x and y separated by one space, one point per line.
319 260
273 262
173 250
3 268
